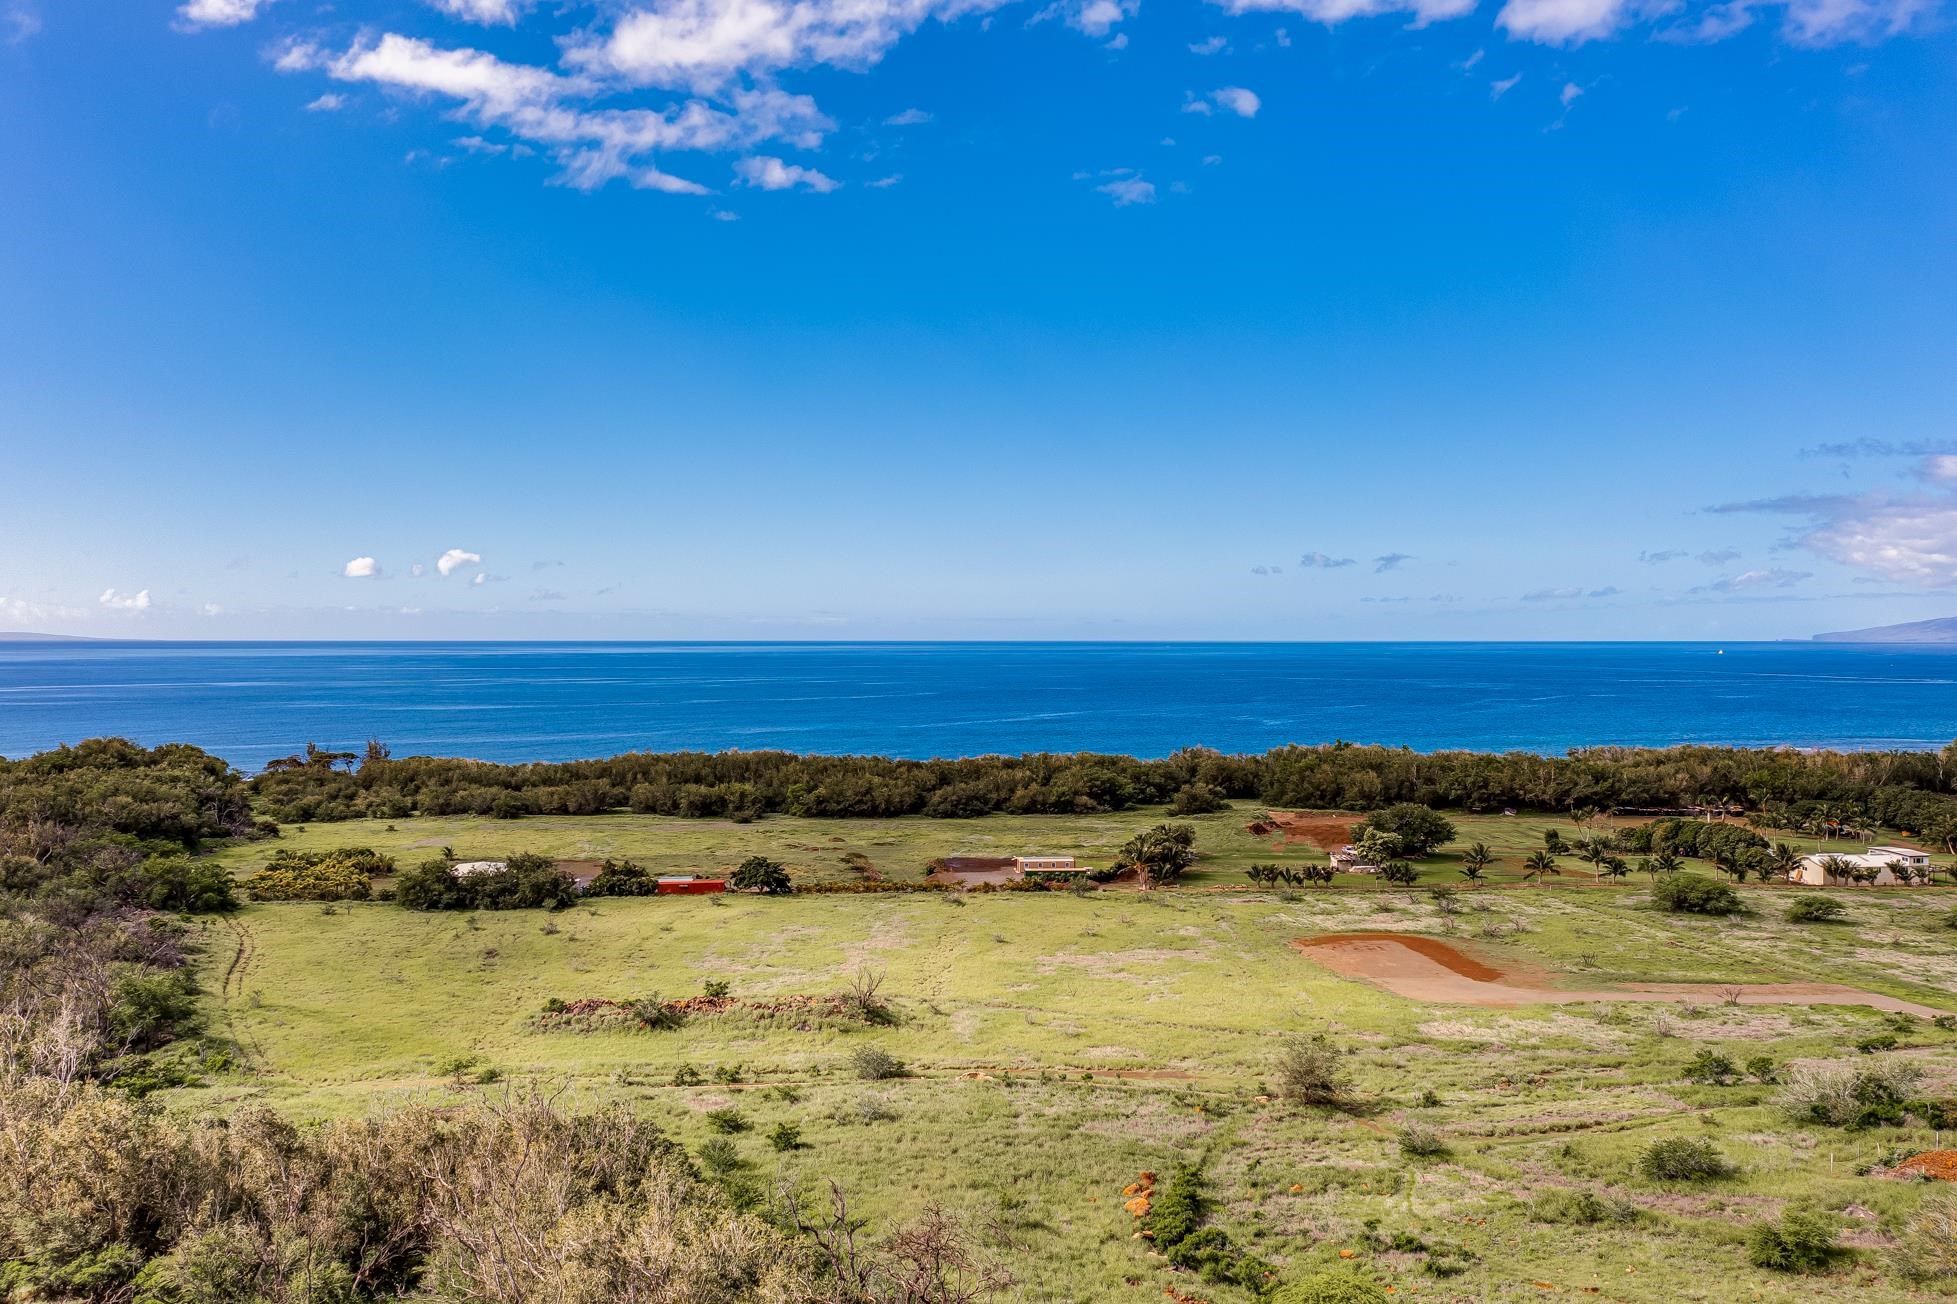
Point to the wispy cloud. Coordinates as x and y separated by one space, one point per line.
1390 561
1660 557
489 13
1128 190
1718 556
1772 578
1229 99
118 601
1552 595
220 13
1321 561
908 118
1902 538
19 22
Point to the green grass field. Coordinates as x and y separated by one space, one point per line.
1059 1045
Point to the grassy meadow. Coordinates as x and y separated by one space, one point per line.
1057 1046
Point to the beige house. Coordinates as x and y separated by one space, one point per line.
1024 865
1347 860
1876 867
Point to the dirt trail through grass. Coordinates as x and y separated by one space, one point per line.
1427 969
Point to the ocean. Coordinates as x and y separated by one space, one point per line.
251 702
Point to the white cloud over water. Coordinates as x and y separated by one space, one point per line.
457 559
361 568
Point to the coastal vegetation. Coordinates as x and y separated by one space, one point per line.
317 1063
1783 788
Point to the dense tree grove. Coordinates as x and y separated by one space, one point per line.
1792 789
93 842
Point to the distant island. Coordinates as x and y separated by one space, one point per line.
1941 630
28 636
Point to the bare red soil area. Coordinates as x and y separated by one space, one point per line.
1326 832
1428 969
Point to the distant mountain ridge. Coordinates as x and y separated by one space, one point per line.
1941 630
28 636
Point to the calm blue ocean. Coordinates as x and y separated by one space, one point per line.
249 702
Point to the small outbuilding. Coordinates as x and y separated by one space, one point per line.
689 885
1892 866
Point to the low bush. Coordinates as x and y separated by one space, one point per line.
1692 894
760 874
1926 1248
184 885
1683 1159
1850 1095
1802 1241
1332 1287
1418 1141
1581 1208
344 875
727 1121
1711 1067
1311 1071
622 878
1817 909
1198 799
875 1064
785 1137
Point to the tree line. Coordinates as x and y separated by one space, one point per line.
1897 789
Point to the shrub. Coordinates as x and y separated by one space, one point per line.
720 1156
1761 1068
1693 894
181 884
785 1136
1310 1072
1802 1241
875 1064
655 1015
1926 1248
1850 1095
716 988
1581 1208
1422 1142
760 874
1332 1287
1683 1159
345 875
726 1121
1419 829
1198 799
622 878
1710 1066
1816 909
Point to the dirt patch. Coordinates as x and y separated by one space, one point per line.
1940 1164
1427 969
1326 832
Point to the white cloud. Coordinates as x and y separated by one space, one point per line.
1830 22
765 173
1496 90
908 118
1570 93
327 103
1231 99
1553 595
1320 561
416 570
138 601
455 559
1905 540
1390 561
487 12
707 44
1214 45
1128 190
1562 22
361 568
884 183
1941 468
1338 11
591 146
1096 17
210 609
220 13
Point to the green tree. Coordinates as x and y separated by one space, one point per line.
1475 862
1158 856
1539 863
1420 829
760 874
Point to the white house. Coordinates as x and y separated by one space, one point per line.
1348 861
471 868
1878 866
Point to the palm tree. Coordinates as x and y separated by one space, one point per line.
1540 862
1594 853
1666 861
1783 860
1475 861
1615 867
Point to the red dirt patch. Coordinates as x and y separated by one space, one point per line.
1326 832
1426 969
1439 952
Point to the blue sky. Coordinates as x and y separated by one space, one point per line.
927 319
